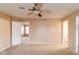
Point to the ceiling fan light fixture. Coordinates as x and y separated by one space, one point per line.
36 12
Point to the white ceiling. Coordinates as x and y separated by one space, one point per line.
57 10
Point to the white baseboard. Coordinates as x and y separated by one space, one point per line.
4 48
42 43
73 51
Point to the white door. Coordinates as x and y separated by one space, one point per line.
16 33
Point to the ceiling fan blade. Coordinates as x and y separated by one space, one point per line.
36 4
33 9
30 13
21 7
30 9
40 5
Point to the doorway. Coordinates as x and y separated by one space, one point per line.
77 35
25 33
20 33
65 33
16 33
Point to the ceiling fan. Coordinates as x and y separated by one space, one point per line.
36 9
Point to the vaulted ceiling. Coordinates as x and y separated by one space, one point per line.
58 10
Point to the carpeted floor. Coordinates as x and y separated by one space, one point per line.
37 49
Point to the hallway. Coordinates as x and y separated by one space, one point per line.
37 49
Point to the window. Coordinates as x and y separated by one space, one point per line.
25 30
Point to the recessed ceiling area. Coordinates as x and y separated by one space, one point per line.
58 10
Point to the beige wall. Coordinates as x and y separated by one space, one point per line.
4 32
45 31
72 29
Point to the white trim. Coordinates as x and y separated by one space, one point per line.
73 51
41 43
4 48
76 29
63 30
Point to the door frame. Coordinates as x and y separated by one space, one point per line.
11 31
76 35
63 31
